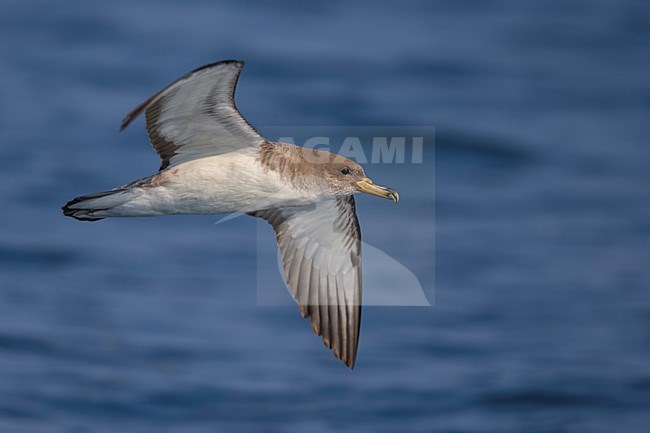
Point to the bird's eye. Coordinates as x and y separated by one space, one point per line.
345 170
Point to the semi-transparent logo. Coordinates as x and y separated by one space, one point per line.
397 240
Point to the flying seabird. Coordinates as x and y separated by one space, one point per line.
214 161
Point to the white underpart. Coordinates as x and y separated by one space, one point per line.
232 182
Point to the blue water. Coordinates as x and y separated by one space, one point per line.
541 320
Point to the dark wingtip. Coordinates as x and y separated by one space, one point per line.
125 123
133 114
220 62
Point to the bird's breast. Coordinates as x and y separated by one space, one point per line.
232 182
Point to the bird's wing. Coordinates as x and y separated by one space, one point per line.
196 116
320 246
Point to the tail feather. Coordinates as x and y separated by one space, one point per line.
94 207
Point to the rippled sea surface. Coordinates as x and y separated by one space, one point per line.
541 319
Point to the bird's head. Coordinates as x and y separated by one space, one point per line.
347 177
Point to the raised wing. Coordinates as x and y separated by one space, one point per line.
320 246
196 116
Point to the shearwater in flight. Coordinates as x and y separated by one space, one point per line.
214 161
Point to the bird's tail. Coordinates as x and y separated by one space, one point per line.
94 207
